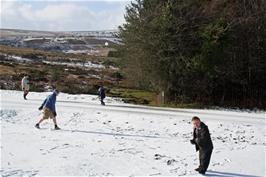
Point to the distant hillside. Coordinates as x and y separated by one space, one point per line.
22 33
83 42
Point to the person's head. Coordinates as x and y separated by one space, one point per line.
196 122
56 92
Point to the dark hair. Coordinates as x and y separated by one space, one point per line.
55 90
195 118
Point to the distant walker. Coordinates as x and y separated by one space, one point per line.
101 92
25 86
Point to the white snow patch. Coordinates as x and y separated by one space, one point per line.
16 58
87 64
123 139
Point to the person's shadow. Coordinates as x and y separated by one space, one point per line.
226 174
110 134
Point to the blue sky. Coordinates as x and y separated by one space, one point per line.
59 15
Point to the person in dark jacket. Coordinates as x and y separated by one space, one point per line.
49 111
203 143
101 92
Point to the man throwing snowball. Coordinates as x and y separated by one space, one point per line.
202 141
49 111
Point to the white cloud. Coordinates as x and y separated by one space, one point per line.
59 16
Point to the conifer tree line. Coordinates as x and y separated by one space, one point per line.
211 52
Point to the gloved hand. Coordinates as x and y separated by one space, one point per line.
40 108
192 141
55 114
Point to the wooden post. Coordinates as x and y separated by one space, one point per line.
162 97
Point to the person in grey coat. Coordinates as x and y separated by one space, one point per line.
203 143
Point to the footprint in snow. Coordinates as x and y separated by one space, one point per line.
54 148
227 160
155 174
158 156
175 170
170 162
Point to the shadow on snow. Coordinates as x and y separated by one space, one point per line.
111 134
226 174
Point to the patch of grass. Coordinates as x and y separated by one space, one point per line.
72 80
185 105
8 70
134 96
41 54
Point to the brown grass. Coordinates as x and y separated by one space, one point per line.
6 70
45 54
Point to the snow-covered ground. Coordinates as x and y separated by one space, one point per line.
123 139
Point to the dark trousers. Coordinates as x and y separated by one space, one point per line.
204 157
102 102
25 94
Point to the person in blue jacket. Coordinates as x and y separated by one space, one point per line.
49 111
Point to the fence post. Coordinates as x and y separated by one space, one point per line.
162 97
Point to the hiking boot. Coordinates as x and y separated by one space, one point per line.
56 127
197 169
202 172
37 126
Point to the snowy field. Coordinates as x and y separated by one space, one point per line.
124 140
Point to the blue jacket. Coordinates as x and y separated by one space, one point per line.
49 102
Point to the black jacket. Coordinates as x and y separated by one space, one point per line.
202 138
101 92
